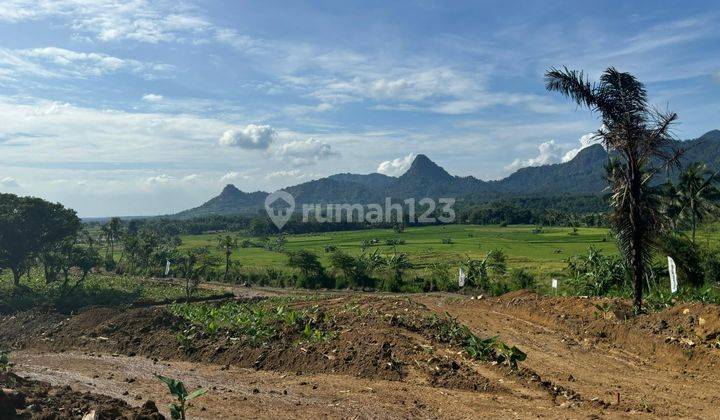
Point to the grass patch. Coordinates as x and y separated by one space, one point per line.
97 290
542 254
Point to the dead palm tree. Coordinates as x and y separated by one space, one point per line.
640 144
697 195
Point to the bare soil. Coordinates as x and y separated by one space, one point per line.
586 358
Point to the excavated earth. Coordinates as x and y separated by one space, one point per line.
389 358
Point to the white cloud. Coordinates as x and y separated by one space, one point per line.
397 166
586 140
52 62
9 182
161 179
293 173
164 180
151 97
549 152
233 177
108 20
190 178
232 38
305 152
251 137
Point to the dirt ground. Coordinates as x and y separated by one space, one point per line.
587 358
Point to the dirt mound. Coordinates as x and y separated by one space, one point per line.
690 325
684 335
366 342
26 399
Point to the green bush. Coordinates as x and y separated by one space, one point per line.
596 274
686 255
711 265
521 279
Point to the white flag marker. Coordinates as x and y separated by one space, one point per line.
672 269
167 267
461 278
554 284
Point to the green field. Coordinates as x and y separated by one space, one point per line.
543 254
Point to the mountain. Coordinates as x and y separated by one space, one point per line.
583 175
372 181
230 201
425 178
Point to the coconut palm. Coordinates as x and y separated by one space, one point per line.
640 144
697 195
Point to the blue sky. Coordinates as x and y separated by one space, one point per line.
139 107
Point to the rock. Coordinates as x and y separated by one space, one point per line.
660 326
149 407
7 408
686 311
91 416
687 342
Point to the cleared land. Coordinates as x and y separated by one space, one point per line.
387 361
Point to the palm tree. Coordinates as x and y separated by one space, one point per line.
640 144
697 195
227 244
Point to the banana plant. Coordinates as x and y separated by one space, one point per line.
180 392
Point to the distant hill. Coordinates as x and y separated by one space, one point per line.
230 201
581 176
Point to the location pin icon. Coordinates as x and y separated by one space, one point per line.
280 215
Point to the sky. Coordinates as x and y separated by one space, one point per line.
142 108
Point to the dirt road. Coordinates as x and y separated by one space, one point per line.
619 368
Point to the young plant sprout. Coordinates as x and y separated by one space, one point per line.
180 392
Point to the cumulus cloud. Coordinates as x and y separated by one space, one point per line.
251 137
549 152
151 97
161 179
9 182
305 152
397 166
586 140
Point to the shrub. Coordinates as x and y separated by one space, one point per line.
356 271
440 278
521 279
594 273
711 265
686 255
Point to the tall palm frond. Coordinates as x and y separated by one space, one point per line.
640 142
